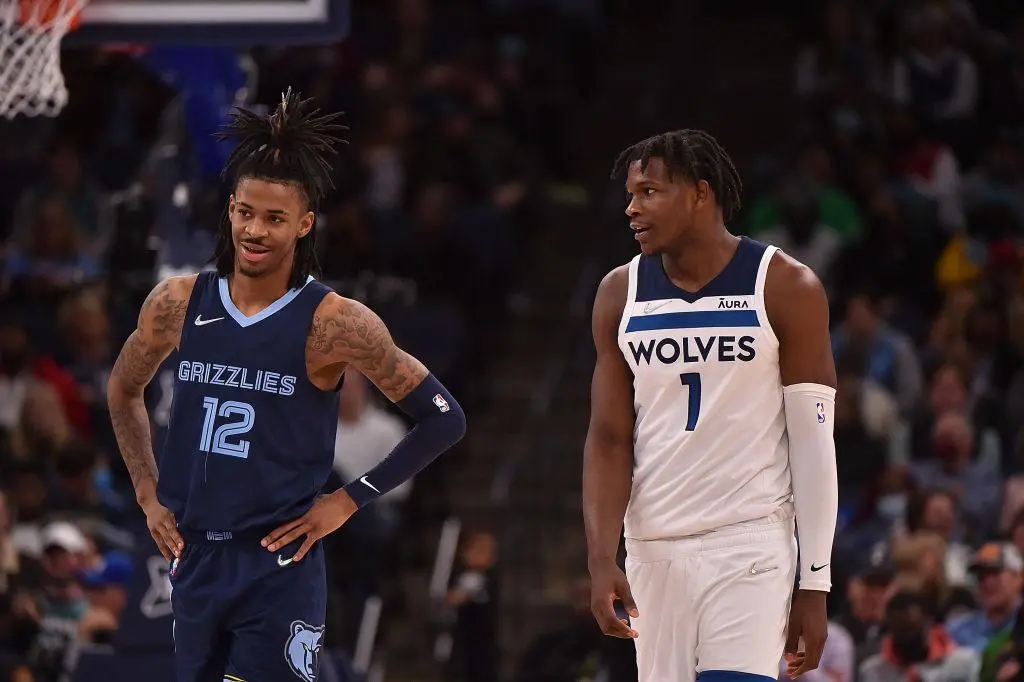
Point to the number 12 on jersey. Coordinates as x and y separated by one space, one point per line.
216 442
691 380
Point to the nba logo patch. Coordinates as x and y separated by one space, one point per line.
821 413
441 403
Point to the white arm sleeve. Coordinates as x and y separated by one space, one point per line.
810 410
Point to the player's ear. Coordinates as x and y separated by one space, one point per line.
306 223
702 192
231 203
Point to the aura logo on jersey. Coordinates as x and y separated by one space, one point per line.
723 348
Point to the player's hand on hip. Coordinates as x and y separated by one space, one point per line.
808 621
164 529
608 583
328 514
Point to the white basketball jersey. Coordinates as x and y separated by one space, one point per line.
710 446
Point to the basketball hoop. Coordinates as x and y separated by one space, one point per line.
31 82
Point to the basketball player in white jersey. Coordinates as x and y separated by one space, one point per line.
710 434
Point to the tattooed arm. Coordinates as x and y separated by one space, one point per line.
158 333
347 333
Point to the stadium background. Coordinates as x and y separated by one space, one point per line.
880 142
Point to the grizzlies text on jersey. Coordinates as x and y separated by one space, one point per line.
250 440
710 446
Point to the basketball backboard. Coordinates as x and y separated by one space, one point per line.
223 22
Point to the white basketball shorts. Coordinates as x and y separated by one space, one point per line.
713 605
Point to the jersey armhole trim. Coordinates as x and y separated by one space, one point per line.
627 309
762 308
203 279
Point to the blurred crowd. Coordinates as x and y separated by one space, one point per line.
905 193
457 113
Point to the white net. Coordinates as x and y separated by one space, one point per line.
31 82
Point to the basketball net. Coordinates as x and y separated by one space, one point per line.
31 82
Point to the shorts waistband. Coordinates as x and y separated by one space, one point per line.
196 536
778 526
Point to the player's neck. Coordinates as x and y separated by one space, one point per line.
252 294
700 258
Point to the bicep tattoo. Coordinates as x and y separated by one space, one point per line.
158 332
353 334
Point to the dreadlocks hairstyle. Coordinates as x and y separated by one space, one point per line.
693 154
289 146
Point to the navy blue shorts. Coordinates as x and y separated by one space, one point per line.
243 614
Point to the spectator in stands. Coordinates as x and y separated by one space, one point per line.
52 260
919 560
43 427
81 488
474 594
929 166
841 49
891 360
937 512
105 585
69 184
84 325
21 365
977 482
60 608
27 493
947 393
802 232
999 178
935 76
868 592
997 567
917 647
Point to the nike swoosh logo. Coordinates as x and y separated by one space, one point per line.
651 307
754 570
282 562
368 485
200 321
815 569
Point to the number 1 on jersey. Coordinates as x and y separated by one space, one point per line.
216 442
692 381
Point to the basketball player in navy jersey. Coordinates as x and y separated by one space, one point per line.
711 429
262 346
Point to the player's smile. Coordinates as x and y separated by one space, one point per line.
253 252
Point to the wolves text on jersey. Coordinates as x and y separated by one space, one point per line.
722 348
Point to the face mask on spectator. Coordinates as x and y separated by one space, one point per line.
892 506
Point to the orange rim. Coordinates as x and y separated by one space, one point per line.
45 12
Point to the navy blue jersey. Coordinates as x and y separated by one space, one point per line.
250 440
